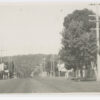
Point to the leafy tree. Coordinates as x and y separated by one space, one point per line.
78 41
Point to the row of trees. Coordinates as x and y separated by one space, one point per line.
26 64
78 41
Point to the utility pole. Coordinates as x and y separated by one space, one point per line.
44 64
1 51
41 68
53 63
59 64
97 37
52 66
51 71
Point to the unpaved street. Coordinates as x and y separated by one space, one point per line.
47 85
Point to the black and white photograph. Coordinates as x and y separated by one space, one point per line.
49 47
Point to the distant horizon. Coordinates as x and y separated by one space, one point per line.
28 54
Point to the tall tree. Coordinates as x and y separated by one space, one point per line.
78 42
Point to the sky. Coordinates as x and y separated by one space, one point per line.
33 27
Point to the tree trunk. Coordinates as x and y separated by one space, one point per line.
94 68
81 73
77 72
59 73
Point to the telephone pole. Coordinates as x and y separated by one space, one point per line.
53 63
1 51
59 64
44 64
52 66
51 70
97 37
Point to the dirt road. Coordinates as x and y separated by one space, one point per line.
47 85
